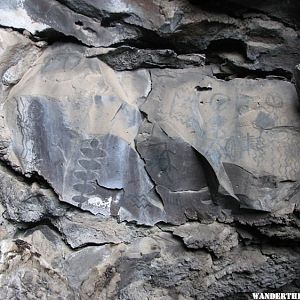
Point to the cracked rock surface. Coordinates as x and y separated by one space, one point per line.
149 149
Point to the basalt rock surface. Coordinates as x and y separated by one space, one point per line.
149 149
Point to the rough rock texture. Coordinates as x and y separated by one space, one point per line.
129 58
149 149
218 238
297 79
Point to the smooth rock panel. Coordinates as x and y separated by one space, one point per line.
250 124
75 126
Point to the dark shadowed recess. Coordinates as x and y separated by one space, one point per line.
286 11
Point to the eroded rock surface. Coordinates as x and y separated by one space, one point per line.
149 149
129 58
214 237
297 78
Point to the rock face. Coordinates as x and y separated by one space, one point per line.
149 149
297 78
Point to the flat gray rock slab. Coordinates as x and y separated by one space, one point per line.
75 125
250 125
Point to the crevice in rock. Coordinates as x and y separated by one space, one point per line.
293 128
52 36
227 45
28 179
149 176
240 72
89 244
35 178
19 30
239 10
150 91
148 39
24 229
242 66
211 177
263 239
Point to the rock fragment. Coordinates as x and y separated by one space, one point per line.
81 229
27 202
215 237
129 58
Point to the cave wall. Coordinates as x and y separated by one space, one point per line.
149 149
